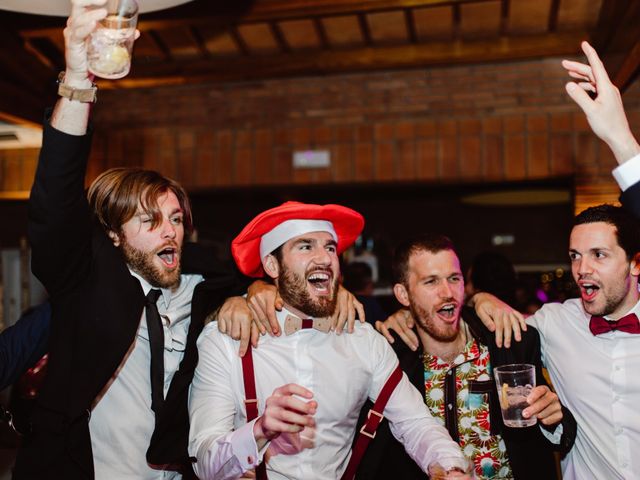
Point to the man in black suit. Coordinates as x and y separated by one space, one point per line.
452 369
128 301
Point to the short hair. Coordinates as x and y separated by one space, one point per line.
114 197
626 225
427 242
493 273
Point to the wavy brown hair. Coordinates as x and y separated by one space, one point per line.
115 195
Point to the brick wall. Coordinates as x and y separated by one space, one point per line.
499 122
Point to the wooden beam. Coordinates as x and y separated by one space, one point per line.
554 9
611 14
205 12
355 60
629 70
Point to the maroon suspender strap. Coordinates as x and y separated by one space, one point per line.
368 430
251 401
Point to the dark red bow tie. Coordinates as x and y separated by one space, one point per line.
628 323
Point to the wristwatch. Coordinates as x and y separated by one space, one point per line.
85 95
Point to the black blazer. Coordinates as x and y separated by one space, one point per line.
530 453
97 305
630 199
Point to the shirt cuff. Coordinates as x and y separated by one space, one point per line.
554 437
628 173
244 447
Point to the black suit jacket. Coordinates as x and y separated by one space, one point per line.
630 199
530 453
97 305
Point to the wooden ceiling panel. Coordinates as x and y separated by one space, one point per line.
258 38
480 20
219 45
578 14
180 42
300 34
343 31
388 28
526 17
433 23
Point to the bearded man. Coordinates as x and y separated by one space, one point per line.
310 383
452 368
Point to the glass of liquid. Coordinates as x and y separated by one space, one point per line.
514 383
110 45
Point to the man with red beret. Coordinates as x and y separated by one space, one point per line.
309 384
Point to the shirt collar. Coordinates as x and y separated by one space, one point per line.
166 293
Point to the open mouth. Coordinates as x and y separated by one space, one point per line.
320 281
169 256
588 290
448 311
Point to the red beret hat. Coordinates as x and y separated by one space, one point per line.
245 248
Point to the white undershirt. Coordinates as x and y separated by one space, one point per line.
122 421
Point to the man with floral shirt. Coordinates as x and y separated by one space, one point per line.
453 371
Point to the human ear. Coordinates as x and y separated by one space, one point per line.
271 266
400 291
115 238
635 265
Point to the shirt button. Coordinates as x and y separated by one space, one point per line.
449 406
449 373
616 398
619 431
617 368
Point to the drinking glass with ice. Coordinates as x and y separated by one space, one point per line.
109 46
514 383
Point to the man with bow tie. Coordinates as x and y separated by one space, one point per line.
308 384
590 345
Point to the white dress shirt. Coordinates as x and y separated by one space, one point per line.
122 421
598 379
628 173
341 370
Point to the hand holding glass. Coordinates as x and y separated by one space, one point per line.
109 46
514 383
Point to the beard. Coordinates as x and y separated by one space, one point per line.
293 290
143 264
613 296
426 322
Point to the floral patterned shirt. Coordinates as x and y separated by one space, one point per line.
472 365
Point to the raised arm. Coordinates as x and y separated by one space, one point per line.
72 116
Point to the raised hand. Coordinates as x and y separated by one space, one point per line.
605 112
83 20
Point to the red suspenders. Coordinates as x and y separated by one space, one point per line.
367 432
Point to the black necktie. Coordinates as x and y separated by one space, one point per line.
156 344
